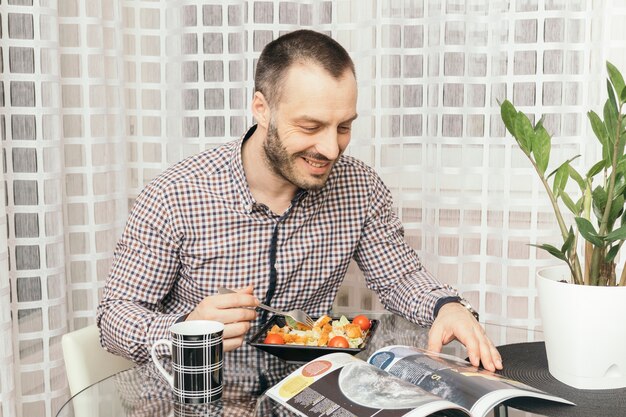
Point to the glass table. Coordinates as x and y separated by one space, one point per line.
249 372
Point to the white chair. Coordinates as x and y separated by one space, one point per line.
86 362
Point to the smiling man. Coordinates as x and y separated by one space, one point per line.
279 214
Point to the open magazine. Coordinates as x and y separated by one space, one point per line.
397 381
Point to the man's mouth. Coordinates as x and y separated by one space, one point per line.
316 164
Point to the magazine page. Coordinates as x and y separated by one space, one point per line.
453 379
340 385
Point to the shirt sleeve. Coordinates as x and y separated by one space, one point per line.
145 266
391 267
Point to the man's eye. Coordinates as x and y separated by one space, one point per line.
344 129
310 128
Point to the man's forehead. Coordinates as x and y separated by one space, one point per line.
301 70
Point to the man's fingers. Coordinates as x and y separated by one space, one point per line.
232 330
246 290
473 349
228 315
233 335
454 321
435 342
227 308
480 350
498 358
233 300
232 343
489 354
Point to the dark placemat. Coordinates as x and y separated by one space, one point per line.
527 363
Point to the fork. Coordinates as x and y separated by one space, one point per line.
297 315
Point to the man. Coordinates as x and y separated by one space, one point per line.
278 214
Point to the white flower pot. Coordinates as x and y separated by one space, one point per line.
584 331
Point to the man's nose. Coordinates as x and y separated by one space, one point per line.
327 144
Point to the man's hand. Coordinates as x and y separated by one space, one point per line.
231 309
455 322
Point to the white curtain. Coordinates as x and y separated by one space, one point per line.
99 96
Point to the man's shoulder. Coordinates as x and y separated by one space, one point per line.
203 166
350 167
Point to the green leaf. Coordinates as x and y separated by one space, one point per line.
610 256
622 95
566 162
291 322
552 251
539 124
599 199
576 177
524 132
569 241
621 165
611 95
617 234
508 114
616 78
620 146
623 219
616 208
620 184
588 232
598 127
560 180
541 148
598 167
610 120
573 207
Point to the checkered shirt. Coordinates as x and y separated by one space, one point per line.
196 227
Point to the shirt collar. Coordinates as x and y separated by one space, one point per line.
239 178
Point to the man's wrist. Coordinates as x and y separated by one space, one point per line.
454 299
443 301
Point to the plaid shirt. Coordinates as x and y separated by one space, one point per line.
196 227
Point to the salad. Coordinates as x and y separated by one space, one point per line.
325 332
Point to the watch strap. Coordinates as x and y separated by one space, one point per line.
445 300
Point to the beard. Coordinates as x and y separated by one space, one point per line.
284 165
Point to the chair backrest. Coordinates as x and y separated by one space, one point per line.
86 362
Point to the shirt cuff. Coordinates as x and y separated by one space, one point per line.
443 301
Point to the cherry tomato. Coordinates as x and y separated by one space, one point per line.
338 341
363 322
274 339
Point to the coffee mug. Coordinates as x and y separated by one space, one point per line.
197 360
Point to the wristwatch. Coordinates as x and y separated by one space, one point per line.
469 307
454 299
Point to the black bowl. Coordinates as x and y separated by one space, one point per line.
301 353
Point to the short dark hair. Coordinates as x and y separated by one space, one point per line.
298 46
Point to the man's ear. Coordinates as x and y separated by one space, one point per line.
261 109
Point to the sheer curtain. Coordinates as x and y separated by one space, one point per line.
99 96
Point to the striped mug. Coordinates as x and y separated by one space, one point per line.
197 353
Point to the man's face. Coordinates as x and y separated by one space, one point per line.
310 125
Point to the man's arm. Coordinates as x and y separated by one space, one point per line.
145 268
393 270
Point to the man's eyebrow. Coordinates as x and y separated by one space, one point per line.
306 118
352 119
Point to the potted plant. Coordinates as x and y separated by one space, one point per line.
589 290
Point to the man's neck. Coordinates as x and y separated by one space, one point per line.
265 185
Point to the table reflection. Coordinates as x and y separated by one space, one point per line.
248 373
